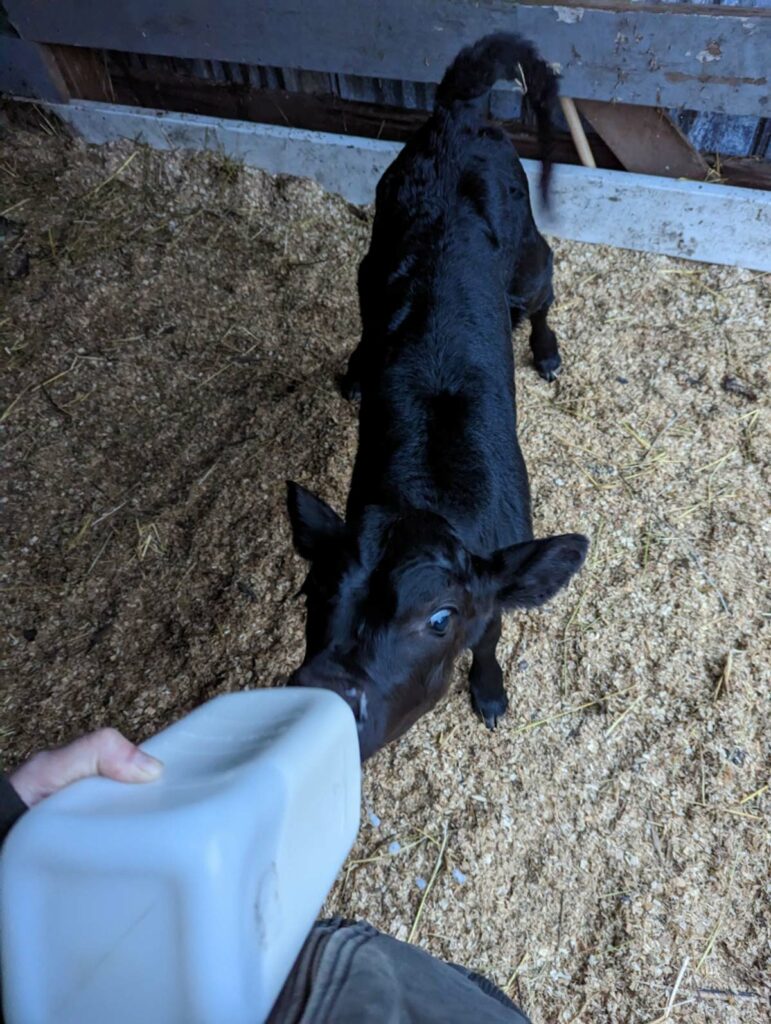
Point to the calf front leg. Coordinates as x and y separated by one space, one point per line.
486 678
350 381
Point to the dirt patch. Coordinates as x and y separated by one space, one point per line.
172 326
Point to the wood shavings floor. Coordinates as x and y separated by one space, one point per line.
171 328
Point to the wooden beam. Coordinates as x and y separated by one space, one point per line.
689 219
669 55
84 72
744 171
644 139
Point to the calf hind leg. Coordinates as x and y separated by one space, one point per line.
488 696
531 292
350 381
543 345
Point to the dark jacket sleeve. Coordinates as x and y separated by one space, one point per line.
11 807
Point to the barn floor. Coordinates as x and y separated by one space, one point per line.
171 329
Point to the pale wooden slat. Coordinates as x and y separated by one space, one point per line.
633 211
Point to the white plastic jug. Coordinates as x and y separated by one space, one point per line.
186 900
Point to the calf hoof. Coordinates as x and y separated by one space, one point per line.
490 709
349 387
549 368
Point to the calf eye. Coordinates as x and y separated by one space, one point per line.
440 620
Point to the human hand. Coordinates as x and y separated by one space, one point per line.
105 752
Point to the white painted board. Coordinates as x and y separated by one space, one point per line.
696 221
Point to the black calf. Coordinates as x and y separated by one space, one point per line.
437 540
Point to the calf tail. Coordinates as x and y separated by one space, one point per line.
507 56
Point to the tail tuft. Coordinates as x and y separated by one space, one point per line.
507 56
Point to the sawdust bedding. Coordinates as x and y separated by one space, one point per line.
171 329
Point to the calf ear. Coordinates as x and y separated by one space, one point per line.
314 523
528 575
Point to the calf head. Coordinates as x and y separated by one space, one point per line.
391 605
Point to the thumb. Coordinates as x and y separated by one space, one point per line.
105 752
110 754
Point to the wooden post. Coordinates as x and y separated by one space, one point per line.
577 132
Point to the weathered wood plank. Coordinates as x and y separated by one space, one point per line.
744 171
679 218
702 58
83 71
26 69
644 139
